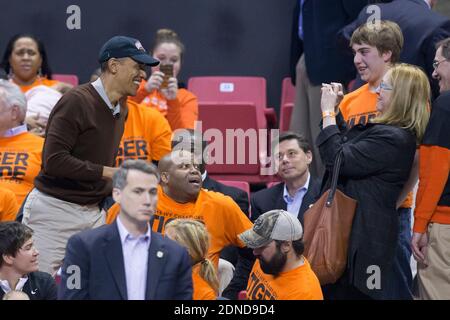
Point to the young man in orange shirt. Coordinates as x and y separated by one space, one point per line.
376 49
281 272
431 237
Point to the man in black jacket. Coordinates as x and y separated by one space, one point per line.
299 189
19 264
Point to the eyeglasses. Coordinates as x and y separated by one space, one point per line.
437 63
385 86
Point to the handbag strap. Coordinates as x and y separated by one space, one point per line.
334 179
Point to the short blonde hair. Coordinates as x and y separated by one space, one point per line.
192 235
410 100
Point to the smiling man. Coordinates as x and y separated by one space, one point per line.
82 138
126 260
19 264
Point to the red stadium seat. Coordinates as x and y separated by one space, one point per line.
235 89
67 78
243 185
287 104
228 105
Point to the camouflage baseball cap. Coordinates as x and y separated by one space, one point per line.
272 225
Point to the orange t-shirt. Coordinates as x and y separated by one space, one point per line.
20 162
222 217
358 107
8 205
300 283
39 82
181 112
201 289
434 168
146 136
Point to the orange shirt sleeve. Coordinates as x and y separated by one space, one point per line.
8 205
182 112
158 134
112 213
235 222
434 165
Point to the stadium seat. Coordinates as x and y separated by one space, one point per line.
67 78
287 103
235 89
227 106
243 185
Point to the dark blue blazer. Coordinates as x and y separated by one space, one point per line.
98 254
322 20
272 198
422 28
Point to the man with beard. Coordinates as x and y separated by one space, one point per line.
281 272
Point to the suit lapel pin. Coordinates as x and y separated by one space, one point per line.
159 254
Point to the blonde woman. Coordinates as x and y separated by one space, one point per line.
193 235
376 162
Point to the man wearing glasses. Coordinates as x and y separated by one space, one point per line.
431 231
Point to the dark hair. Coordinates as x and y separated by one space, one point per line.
13 235
187 137
45 68
445 44
298 245
167 36
289 135
120 176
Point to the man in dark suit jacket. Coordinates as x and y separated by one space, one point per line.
126 260
19 264
316 58
422 28
299 189
293 156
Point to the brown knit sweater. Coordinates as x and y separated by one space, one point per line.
82 136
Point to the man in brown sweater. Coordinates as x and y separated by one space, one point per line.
82 138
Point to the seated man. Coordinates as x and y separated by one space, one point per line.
189 139
19 264
281 272
299 189
20 151
127 260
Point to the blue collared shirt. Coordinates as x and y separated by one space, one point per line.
11 132
300 20
98 86
135 260
294 203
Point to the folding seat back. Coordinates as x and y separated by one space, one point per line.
67 78
247 90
